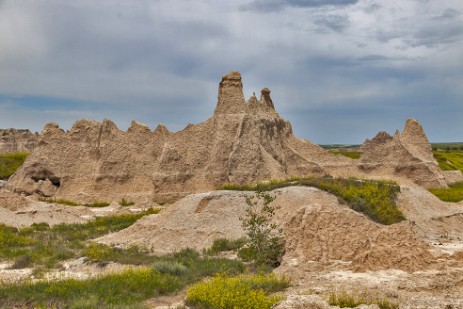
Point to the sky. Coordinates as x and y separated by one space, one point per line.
339 70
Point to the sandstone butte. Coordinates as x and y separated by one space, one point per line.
17 140
243 142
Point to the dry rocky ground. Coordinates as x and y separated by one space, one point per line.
417 263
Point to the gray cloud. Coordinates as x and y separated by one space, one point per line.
276 5
335 23
338 72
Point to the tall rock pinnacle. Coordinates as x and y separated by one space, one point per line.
230 98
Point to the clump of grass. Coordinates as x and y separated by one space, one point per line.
58 201
124 202
453 194
9 163
374 198
46 245
449 160
344 299
224 244
237 292
97 204
165 275
352 155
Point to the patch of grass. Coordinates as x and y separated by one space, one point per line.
374 198
224 244
449 160
166 274
344 299
453 194
124 202
58 201
46 245
237 292
97 204
352 155
9 163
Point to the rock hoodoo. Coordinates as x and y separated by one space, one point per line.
407 154
242 142
17 140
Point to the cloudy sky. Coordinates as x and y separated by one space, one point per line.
339 70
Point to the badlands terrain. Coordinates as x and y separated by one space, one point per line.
329 245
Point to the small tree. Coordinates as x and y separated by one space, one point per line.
264 243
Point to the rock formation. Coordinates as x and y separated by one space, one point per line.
242 142
407 154
17 140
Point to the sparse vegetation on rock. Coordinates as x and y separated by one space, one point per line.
9 163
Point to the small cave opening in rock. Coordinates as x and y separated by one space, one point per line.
56 181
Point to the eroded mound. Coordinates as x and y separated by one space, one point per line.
316 227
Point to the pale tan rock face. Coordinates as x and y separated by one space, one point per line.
17 140
241 143
407 154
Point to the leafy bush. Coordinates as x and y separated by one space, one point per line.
170 267
263 243
224 244
237 292
9 163
124 202
453 194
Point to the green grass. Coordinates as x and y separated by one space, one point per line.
449 160
453 194
224 244
253 292
352 155
72 203
97 204
124 202
374 198
166 274
9 163
42 246
343 299
58 201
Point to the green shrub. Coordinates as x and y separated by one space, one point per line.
170 267
263 243
453 194
224 244
237 292
9 163
126 203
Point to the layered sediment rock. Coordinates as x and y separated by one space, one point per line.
17 140
242 142
407 154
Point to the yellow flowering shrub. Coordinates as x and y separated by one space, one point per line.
237 292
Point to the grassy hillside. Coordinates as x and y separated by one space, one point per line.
449 160
9 163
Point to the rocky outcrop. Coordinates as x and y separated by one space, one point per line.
17 140
242 142
407 155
